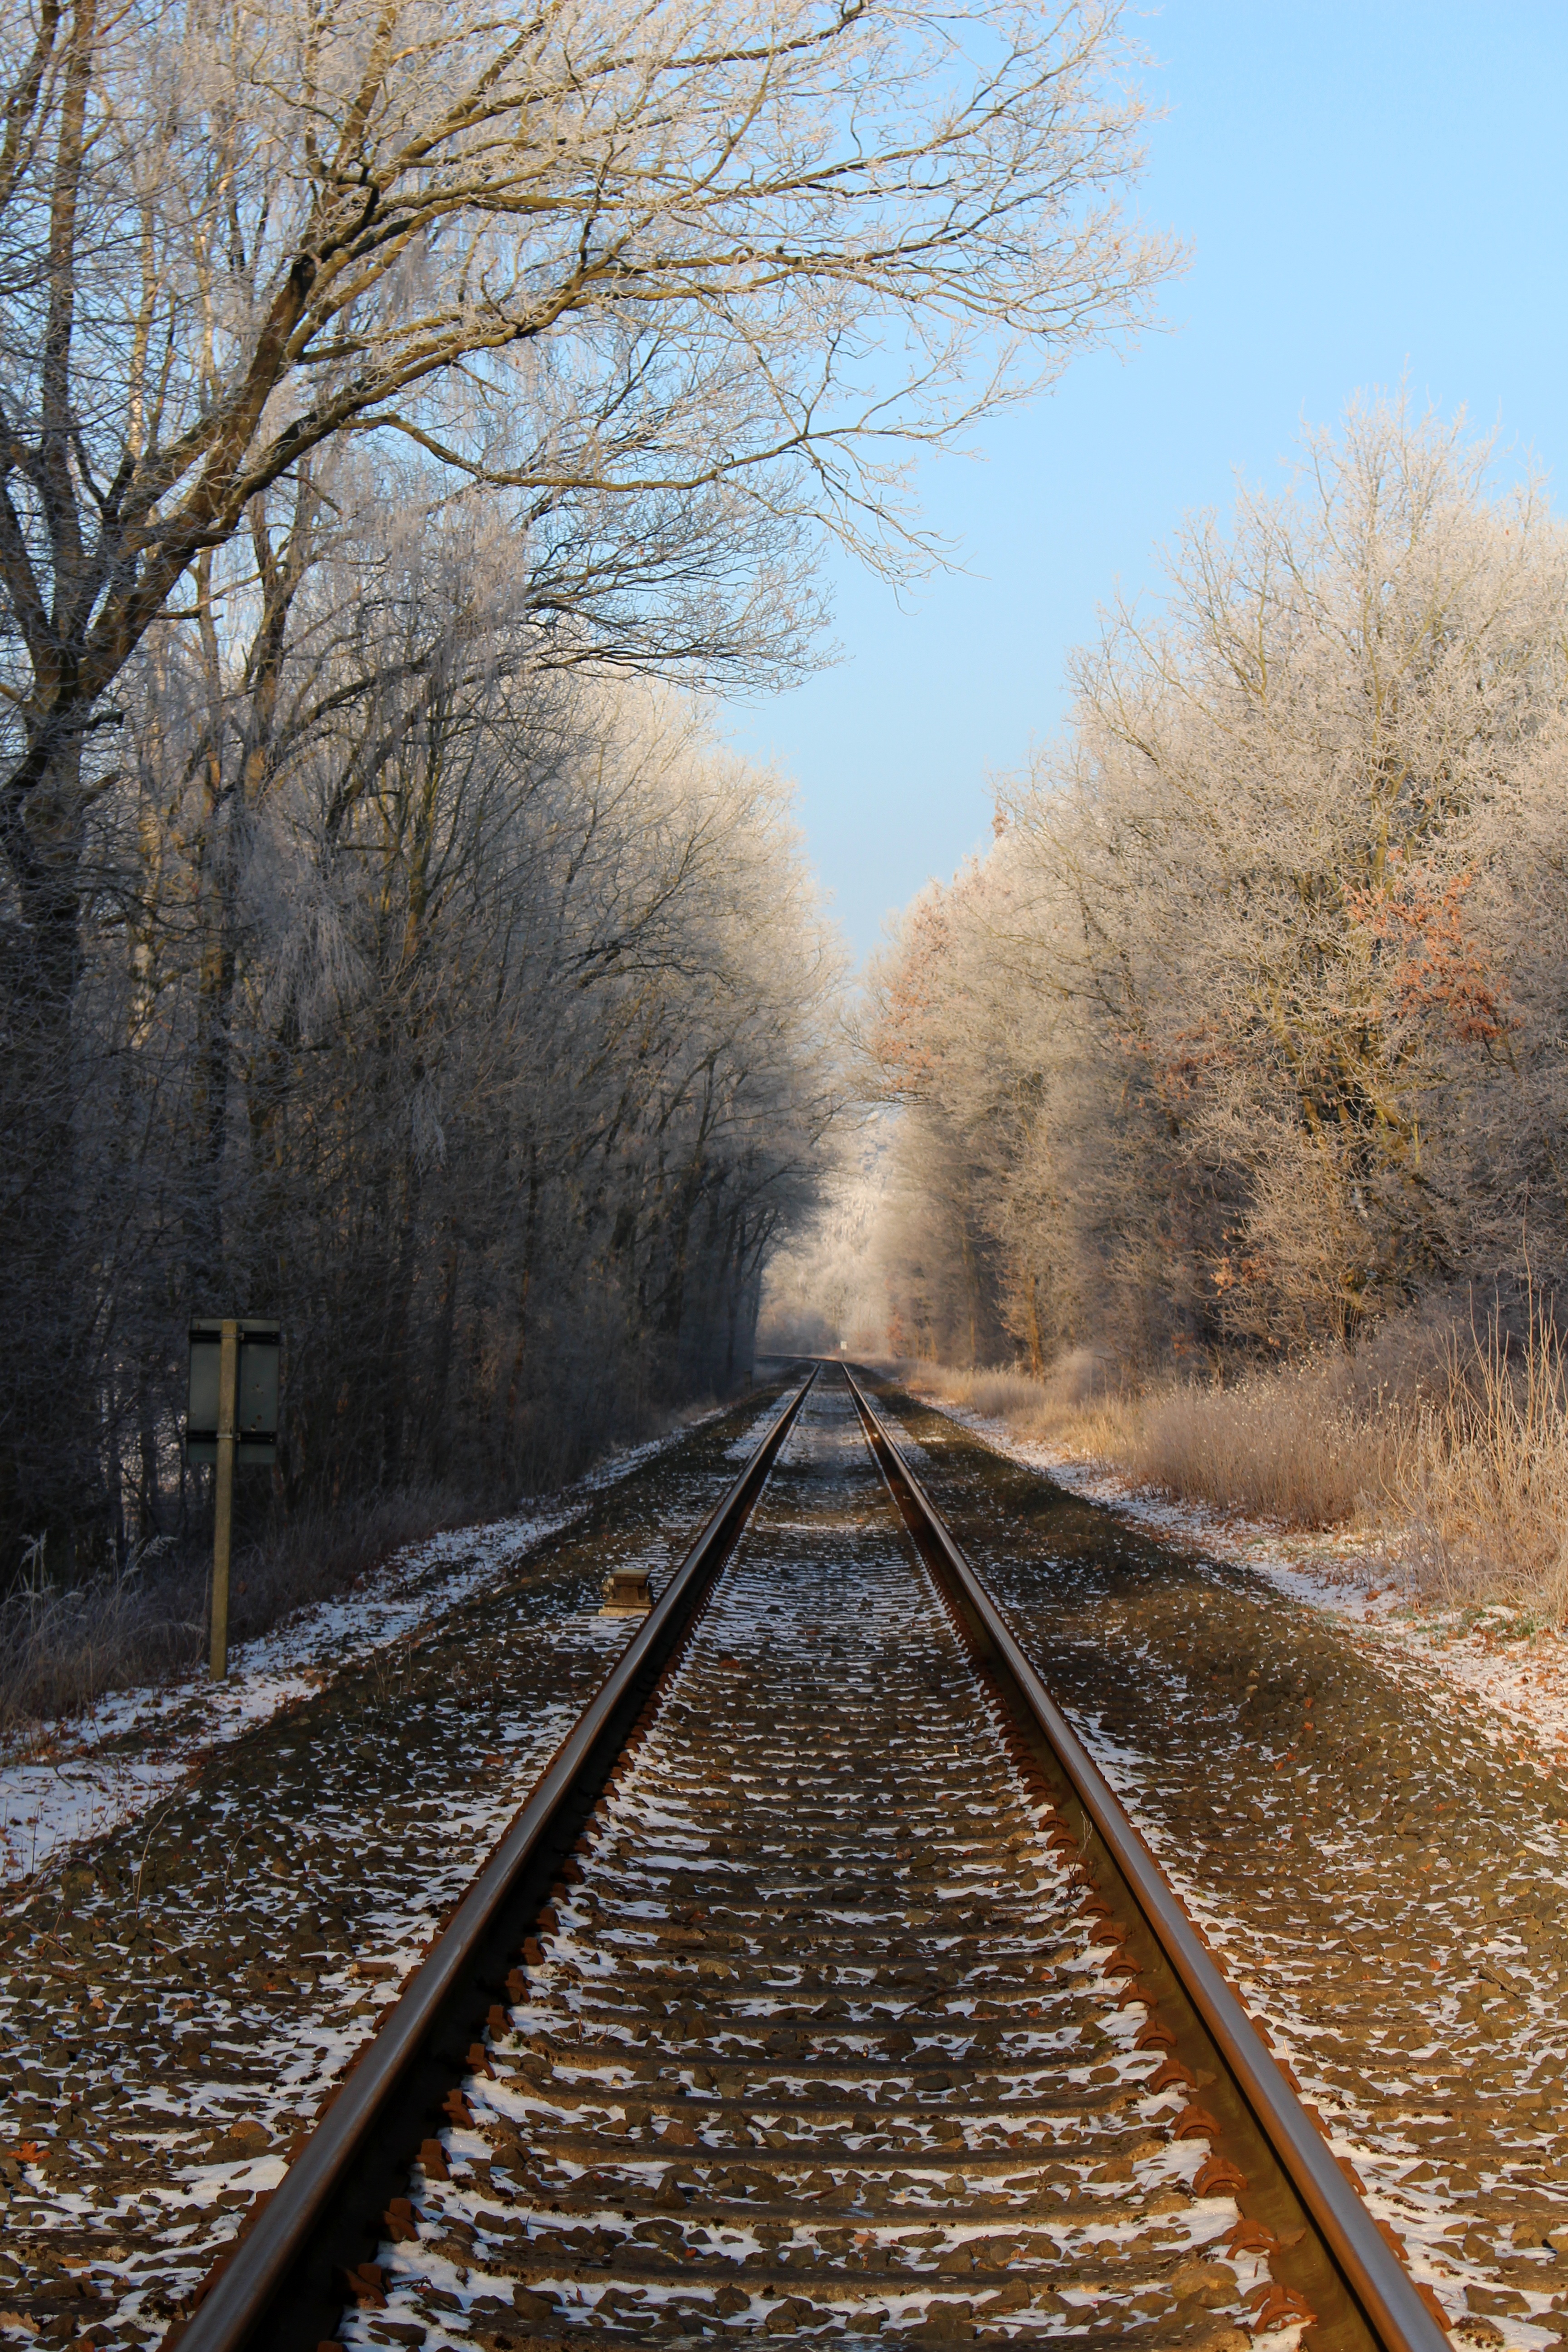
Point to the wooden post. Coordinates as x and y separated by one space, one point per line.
222 1493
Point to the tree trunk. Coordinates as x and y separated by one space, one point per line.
50 1473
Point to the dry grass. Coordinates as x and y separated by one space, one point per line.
1292 1446
1074 1406
1451 1443
61 1650
1483 1479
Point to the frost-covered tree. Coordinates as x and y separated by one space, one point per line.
1251 1028
526 1026
680 290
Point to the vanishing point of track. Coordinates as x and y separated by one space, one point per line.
821 1988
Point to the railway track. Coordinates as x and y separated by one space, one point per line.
820 1989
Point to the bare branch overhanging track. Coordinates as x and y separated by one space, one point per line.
852 2005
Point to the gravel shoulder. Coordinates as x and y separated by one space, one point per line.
1375 1840
179 1992
1513 1667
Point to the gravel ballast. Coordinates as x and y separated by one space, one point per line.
1384 1883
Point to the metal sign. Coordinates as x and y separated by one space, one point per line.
256 1405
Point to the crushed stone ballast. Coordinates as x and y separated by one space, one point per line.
817 1990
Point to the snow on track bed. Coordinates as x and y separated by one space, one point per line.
173 2005
1386 1887
68 1781
817 2042
62 1783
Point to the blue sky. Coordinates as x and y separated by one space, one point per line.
1372 194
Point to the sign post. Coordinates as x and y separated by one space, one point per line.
231 1420
223 1492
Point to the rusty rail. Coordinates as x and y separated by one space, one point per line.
275 2287
1388 2300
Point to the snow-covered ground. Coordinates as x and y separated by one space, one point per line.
65 1782
1515 1672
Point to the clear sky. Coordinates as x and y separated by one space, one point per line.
1373 193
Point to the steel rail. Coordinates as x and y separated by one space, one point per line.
249 2292
1370 2268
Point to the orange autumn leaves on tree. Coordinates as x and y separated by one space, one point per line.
1434 962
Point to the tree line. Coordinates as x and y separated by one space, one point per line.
479 1029
1250 1031
403 412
